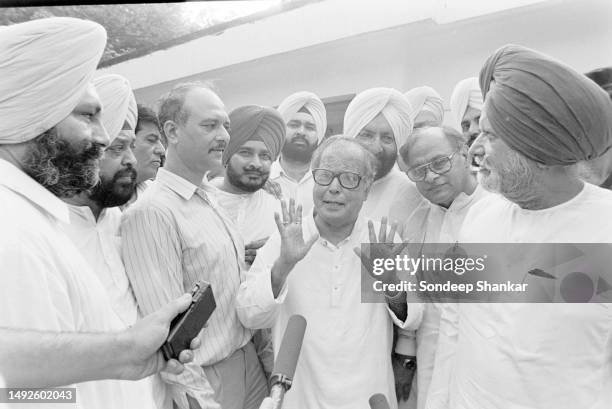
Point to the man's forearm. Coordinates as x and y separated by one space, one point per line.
38 359
279 273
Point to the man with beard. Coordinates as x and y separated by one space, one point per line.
381 120
58 324
257 136
534 355
306 120
176 233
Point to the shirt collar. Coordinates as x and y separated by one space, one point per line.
174 182
276 170
463 200
17 181
310 228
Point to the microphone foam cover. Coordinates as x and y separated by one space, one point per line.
289 350
378 401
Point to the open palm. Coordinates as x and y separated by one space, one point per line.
293 246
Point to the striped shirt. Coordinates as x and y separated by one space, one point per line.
173 236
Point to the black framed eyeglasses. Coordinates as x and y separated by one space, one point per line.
439 166
324 177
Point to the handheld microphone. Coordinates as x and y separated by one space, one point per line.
378 401
286 359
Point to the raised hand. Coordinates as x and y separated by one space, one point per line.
293 246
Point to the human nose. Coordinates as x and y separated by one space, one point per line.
129 158
477 149
159 148
99 134
474 127
335 186
430 175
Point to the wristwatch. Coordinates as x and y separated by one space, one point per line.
409 363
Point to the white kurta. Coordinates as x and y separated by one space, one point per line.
300 191
431 223
252 213
99 243
45 284
345 357
531 356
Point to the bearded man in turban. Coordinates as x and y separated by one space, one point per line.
466 105
51 139
306 122
427 106
540 118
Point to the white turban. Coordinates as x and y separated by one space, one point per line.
466 94
117 102
426 99
45 67
368 104
309 101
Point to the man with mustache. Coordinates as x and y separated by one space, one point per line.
465 106
306 122
256 138
58 324
381 120
519 354
177 233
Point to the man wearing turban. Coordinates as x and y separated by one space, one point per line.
306 122
51 138
381 120
599 170
466 105
540 117
256 138
427 106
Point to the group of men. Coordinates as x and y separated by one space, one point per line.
101 242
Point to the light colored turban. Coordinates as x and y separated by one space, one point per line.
426 99
466 94
45 67
544 109
393 105
309 101
118 103
255 123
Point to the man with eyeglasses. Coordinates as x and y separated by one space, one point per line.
437 160
311 269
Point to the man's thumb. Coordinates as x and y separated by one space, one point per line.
175 307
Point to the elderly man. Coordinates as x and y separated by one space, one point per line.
545 355
314 272
176 234
466 105
51 139
438 163
427 106
306 121
599 170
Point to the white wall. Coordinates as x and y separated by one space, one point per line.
578 32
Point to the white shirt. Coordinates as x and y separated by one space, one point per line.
300 191
345 357
393 196
173 236
45 284
252 213
533 356
100 244
431 223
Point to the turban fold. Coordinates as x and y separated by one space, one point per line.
393 105
466 94
426 99
117 102
309 101
544 109
255 123
45 67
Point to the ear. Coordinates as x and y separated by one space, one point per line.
170 130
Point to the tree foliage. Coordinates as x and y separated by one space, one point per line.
129 26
